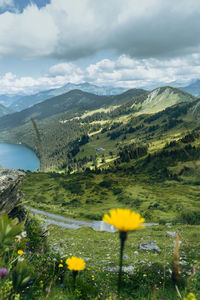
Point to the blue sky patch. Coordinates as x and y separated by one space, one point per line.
19 5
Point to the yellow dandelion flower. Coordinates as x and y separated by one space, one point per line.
190 296
75 263
60 266
124 219
61 261
20 252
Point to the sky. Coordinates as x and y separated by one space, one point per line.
45 44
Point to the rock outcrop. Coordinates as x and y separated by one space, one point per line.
10 195
148 246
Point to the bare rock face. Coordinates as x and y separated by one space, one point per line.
9 193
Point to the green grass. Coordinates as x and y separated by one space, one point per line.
150 269
101 249
156 197
90 195
38 276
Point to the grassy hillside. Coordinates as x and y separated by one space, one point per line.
164 181
163 186
162 98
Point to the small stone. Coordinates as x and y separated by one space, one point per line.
128 269
171 233
148 246
183 262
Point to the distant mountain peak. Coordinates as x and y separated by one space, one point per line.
196 81
28 101
193 88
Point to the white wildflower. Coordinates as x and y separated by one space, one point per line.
24 234
20 258
18 238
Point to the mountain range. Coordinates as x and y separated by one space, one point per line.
73 103
21 102
30 100
76 102
110 122
7 100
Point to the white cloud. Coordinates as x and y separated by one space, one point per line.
64 69
72 29
6 3
124 71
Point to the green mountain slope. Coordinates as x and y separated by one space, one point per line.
73 103
30 100
152 130
164 97
50 117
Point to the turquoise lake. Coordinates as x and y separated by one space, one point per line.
18 157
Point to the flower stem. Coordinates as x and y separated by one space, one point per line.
75 273
122 236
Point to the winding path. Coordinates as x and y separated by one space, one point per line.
74 224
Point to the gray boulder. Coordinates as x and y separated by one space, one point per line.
10 195
149 246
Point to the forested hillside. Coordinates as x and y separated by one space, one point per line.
79 130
